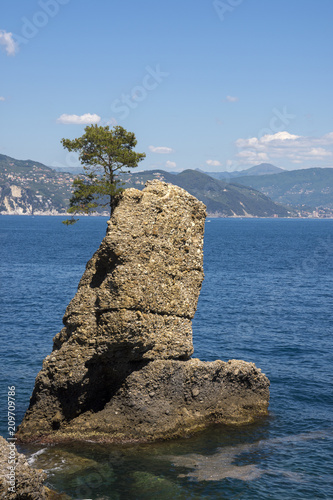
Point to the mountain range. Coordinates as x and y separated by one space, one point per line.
265 190
28 187
221 198
312 187
261 169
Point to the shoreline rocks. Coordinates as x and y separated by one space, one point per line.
121 368
169 398
24 482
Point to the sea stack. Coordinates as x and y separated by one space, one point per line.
121 368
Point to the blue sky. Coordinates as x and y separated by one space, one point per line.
210 84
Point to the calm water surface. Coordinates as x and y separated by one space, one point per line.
266 298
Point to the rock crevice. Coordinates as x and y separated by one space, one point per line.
121 368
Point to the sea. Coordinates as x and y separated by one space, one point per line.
267 298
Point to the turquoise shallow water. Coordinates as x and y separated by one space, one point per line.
266 298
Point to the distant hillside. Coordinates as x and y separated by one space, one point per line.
28 187
221 198
261 169
312 187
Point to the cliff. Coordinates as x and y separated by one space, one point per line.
28 187
121 368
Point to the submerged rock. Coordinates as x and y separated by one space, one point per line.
120 369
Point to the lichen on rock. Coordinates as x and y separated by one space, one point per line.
121 368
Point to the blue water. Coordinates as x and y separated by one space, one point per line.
266 298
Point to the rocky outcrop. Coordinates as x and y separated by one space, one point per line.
20 481
19 200
120 369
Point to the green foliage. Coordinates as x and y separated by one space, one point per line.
69 222
104 154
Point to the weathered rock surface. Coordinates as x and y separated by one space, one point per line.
20 481
120 369
167 398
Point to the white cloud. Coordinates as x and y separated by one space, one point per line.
2 98
231 98
279 136
283 145
319 152
327 139
85 119
253 156
213 163
254 142
170 164
9 43
162 150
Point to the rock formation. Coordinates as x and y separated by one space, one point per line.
19 481
120 369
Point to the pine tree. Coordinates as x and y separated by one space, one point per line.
104 154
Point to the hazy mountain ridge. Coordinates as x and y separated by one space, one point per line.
261 169
312 187
28 187
221 198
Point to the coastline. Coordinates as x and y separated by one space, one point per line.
53 214
209 215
